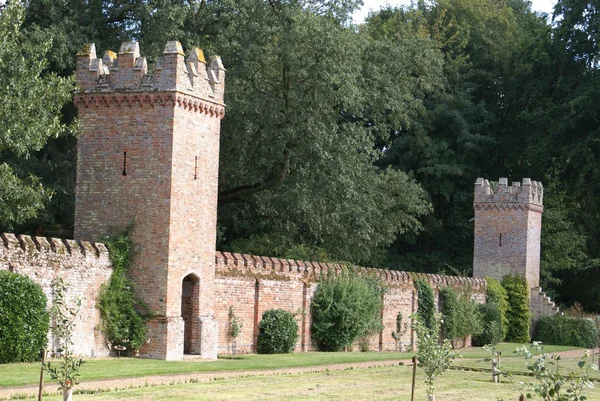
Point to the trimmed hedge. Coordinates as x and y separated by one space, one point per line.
518 313
278 332
563 330
24 320
426 309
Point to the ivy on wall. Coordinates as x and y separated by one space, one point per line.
121 311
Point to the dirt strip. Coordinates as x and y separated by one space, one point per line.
182 378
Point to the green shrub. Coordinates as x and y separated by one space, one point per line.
426 309
450 310
496 294
344 308
563 330
469 322
24 320
492 327
277 332
121 311
518 313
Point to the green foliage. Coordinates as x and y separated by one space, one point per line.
235 326
345 307
66 371
23 318
550 384
30 113
450 311
469 318
426 309
496 294
518 313
278 332
121 311
491 333
564 330
434 357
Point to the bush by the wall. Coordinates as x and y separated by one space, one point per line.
492 328
563 330
426 308
121 311
450 310
24 320
344 308
277 332
469 318
496 294
518 313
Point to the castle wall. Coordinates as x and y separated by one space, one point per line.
252 284
84 267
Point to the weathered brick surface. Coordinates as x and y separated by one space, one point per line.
84 266
508 222
252 284
149 154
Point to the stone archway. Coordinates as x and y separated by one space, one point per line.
190 312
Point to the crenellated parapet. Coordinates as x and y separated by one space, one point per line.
38 246
228 264
499 195
196 81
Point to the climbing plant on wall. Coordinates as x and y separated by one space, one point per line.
518 313
426 309
121 311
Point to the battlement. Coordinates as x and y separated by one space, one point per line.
527 192
127 71
32 245
267 266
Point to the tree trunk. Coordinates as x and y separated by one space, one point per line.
68 394
430 397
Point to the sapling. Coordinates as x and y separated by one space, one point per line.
434 356
66 371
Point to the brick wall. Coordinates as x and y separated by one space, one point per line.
253 284
84 266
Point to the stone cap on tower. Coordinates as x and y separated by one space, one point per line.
127 71
526 192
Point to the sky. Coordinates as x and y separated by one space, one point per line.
537 5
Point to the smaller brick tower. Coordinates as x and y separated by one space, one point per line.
149 155
508 225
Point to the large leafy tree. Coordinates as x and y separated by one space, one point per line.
30 115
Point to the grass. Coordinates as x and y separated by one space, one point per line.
107 368
390 383
18 374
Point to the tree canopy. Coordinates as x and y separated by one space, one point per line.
342 142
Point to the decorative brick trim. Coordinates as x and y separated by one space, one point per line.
141 99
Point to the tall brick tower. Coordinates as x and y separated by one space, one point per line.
508 224
149 155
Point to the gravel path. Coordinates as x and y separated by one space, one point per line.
182 378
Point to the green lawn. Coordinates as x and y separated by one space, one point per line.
389 383
106 368
16 374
